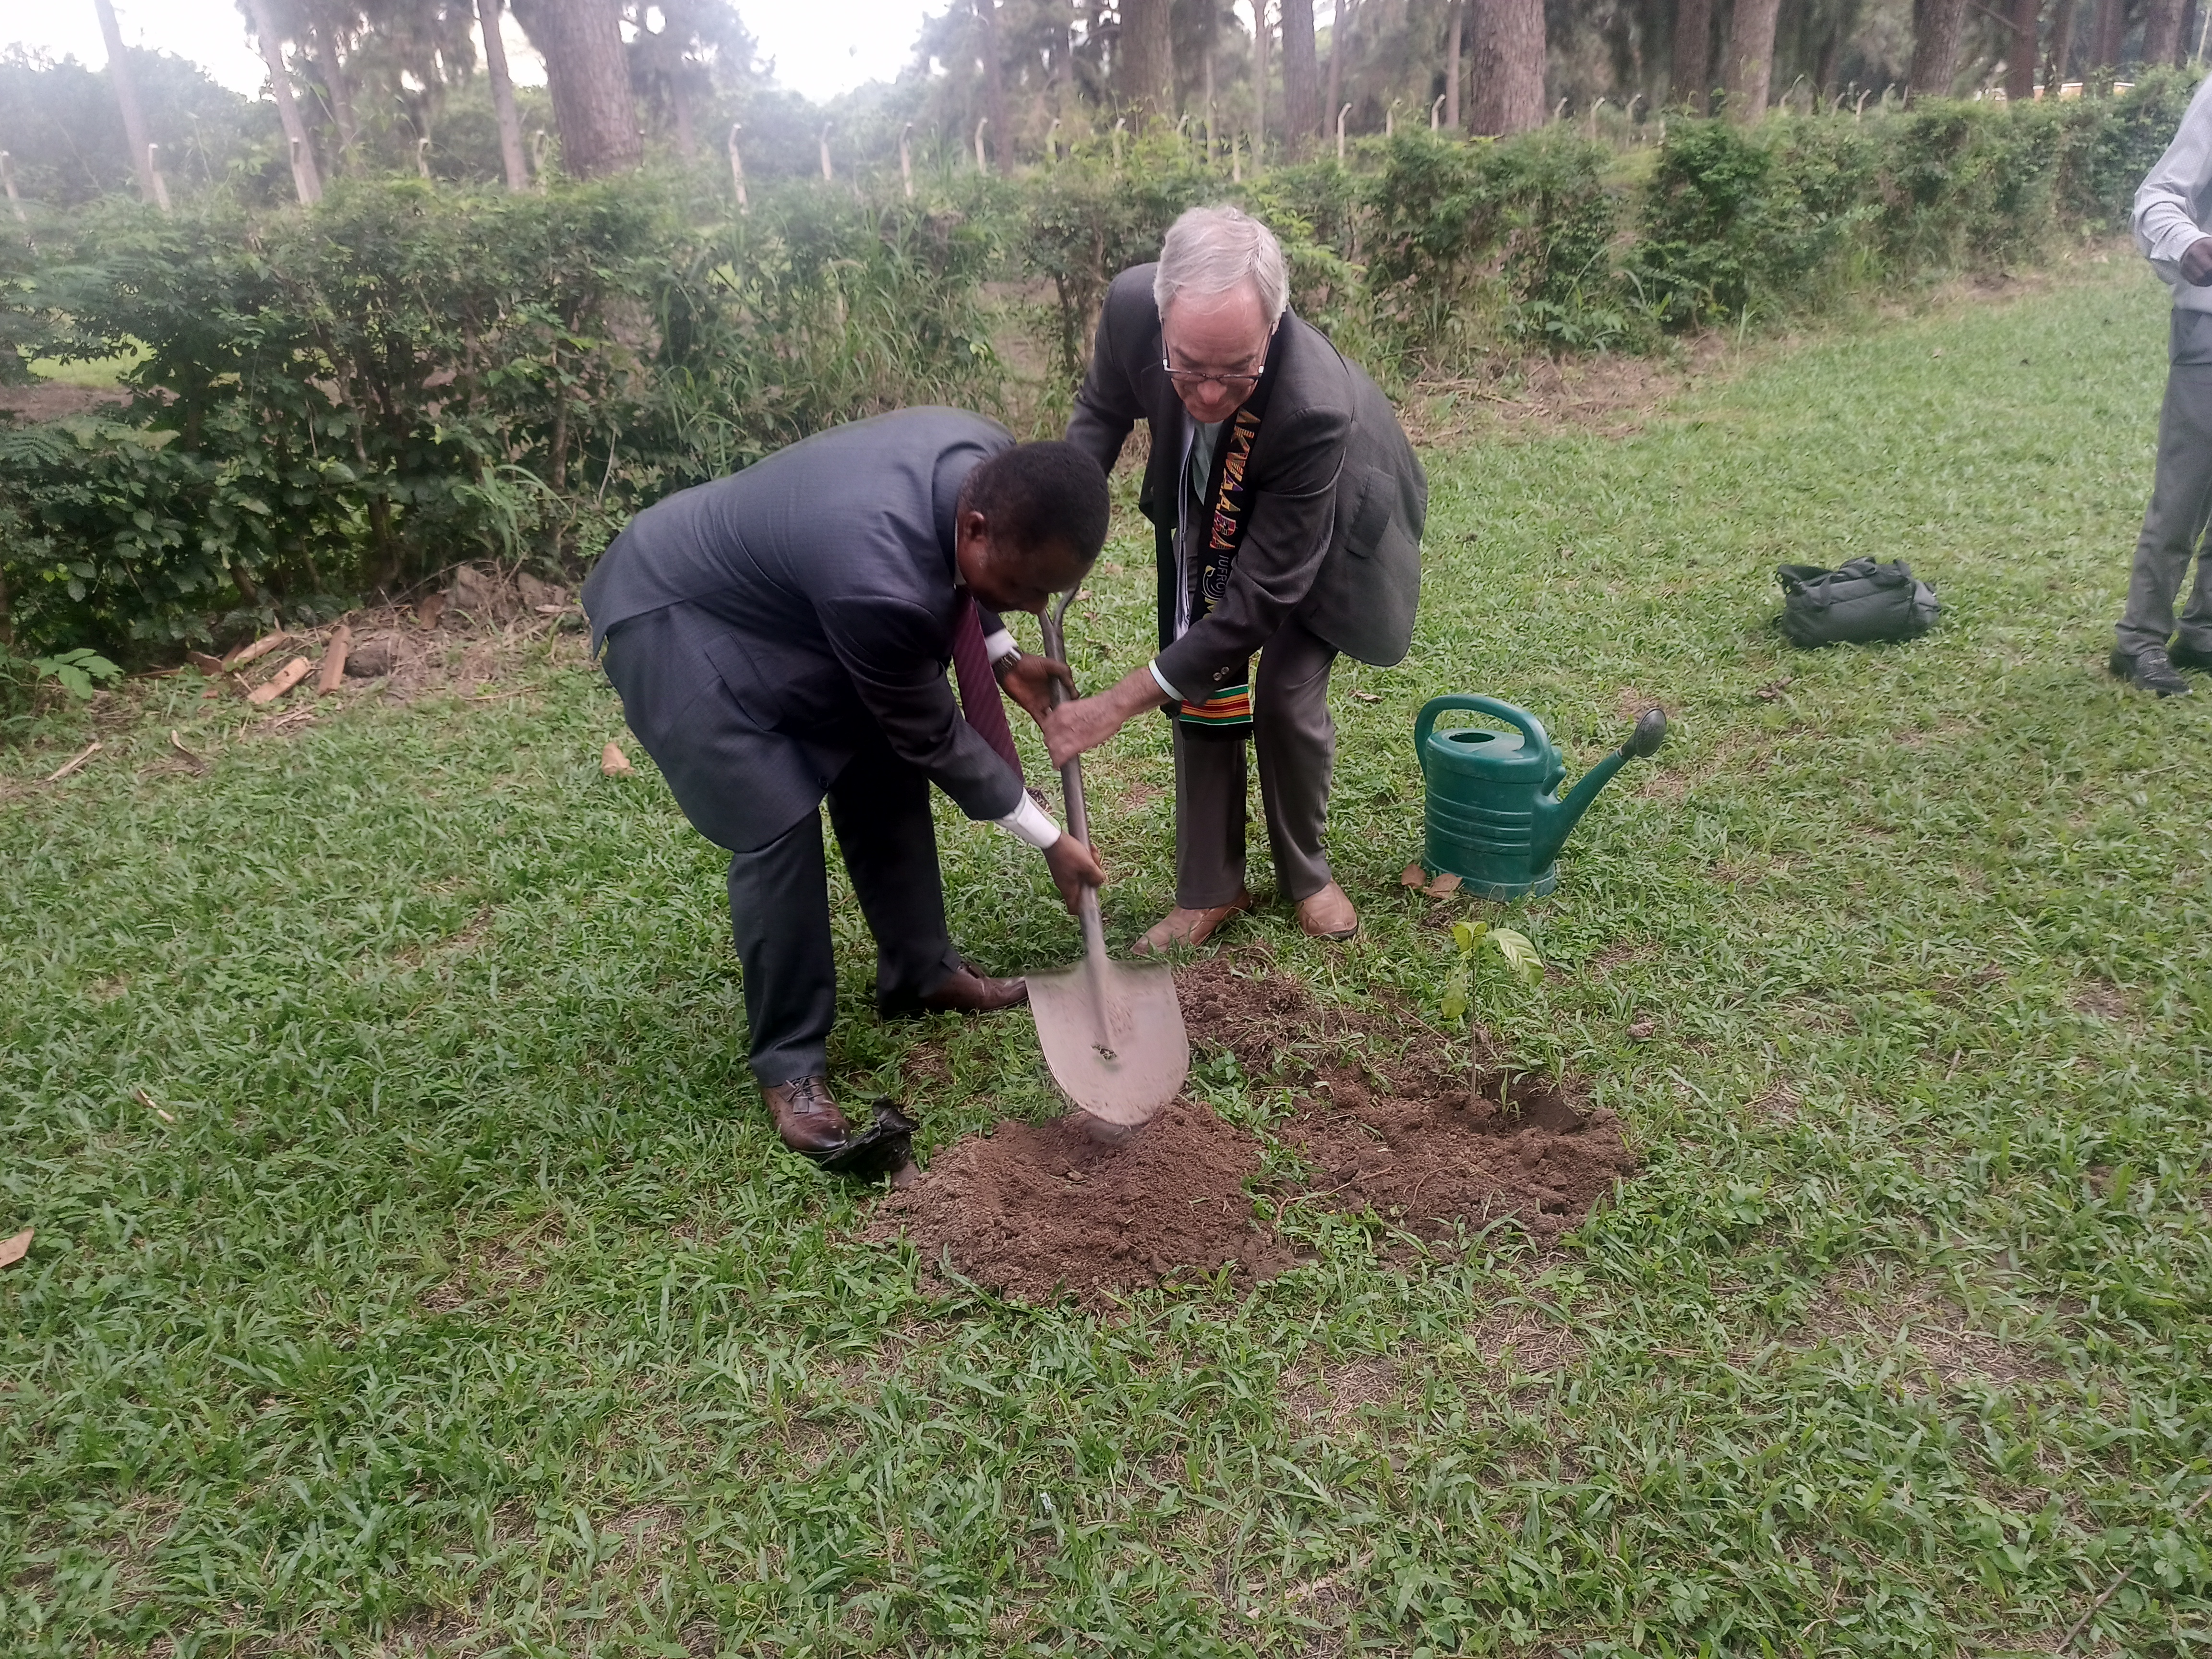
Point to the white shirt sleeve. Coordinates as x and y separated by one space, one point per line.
999 644
2165 219
1161 680
1030 823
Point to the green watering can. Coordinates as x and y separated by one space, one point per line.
1494 819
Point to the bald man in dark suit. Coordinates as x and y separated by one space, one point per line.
781 637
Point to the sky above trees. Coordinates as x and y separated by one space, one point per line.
819 47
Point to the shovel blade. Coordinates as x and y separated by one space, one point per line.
1112 1032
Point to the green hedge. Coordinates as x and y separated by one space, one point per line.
328 403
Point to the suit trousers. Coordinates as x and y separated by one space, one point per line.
2180 502
779 890
1295 742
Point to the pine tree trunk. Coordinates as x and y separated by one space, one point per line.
2058 55
585 71
1750 59
307 182
1259 82
1935 46
2161 32
1509 66
2110 28
126 95
2019 55
502 97
1340 31
994 87
1451 64
1300 77
1692 82
1144 60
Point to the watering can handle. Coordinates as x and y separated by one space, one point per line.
1520 718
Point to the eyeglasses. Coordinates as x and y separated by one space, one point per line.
1184 379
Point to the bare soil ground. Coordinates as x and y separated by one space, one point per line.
1030 1211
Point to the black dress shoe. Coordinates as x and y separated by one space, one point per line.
806 1115
967 991
2149 669
2182 655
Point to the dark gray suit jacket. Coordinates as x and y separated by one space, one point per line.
1341 501
822 584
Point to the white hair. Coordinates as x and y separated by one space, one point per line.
1214 250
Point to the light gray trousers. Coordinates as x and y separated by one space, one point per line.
1296 741
2180 502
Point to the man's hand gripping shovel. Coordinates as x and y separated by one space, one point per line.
1112 1032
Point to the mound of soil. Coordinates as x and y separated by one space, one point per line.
1032 1208
1397 1131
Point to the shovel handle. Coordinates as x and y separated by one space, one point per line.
1071 780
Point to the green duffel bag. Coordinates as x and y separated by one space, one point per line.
1854 604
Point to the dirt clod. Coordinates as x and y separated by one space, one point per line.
1034 1207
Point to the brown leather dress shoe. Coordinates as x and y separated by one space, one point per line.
967 991
1328 913
806 1114
1188 928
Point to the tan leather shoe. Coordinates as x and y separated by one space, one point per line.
968 991
806 1114
1328 913
1187 928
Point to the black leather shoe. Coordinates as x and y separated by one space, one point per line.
806 1114
967 991
2182 655
2149 670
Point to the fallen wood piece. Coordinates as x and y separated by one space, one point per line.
69 766
204 663
261 647
432 607
334 656
15 1249
178 744
147 1101
283 681
614 763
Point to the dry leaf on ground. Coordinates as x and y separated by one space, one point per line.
15 1249
614 763
69 766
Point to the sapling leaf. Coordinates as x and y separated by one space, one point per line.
1519 953
1464 936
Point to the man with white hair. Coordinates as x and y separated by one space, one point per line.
1288 508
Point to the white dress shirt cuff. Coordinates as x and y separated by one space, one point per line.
1030 823
1000 643
1161 680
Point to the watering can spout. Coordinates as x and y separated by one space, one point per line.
1556 818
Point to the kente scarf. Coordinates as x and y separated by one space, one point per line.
1227 505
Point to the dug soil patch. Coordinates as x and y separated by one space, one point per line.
1397 1130
1378 1119
1032 1208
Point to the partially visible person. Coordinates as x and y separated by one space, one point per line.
2171 209
1287 507
781 636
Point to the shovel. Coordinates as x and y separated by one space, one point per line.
1111 1031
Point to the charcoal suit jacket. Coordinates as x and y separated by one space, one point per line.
1340 500
818 594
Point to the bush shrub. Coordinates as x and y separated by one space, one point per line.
326 402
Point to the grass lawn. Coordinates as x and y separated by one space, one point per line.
462 1301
